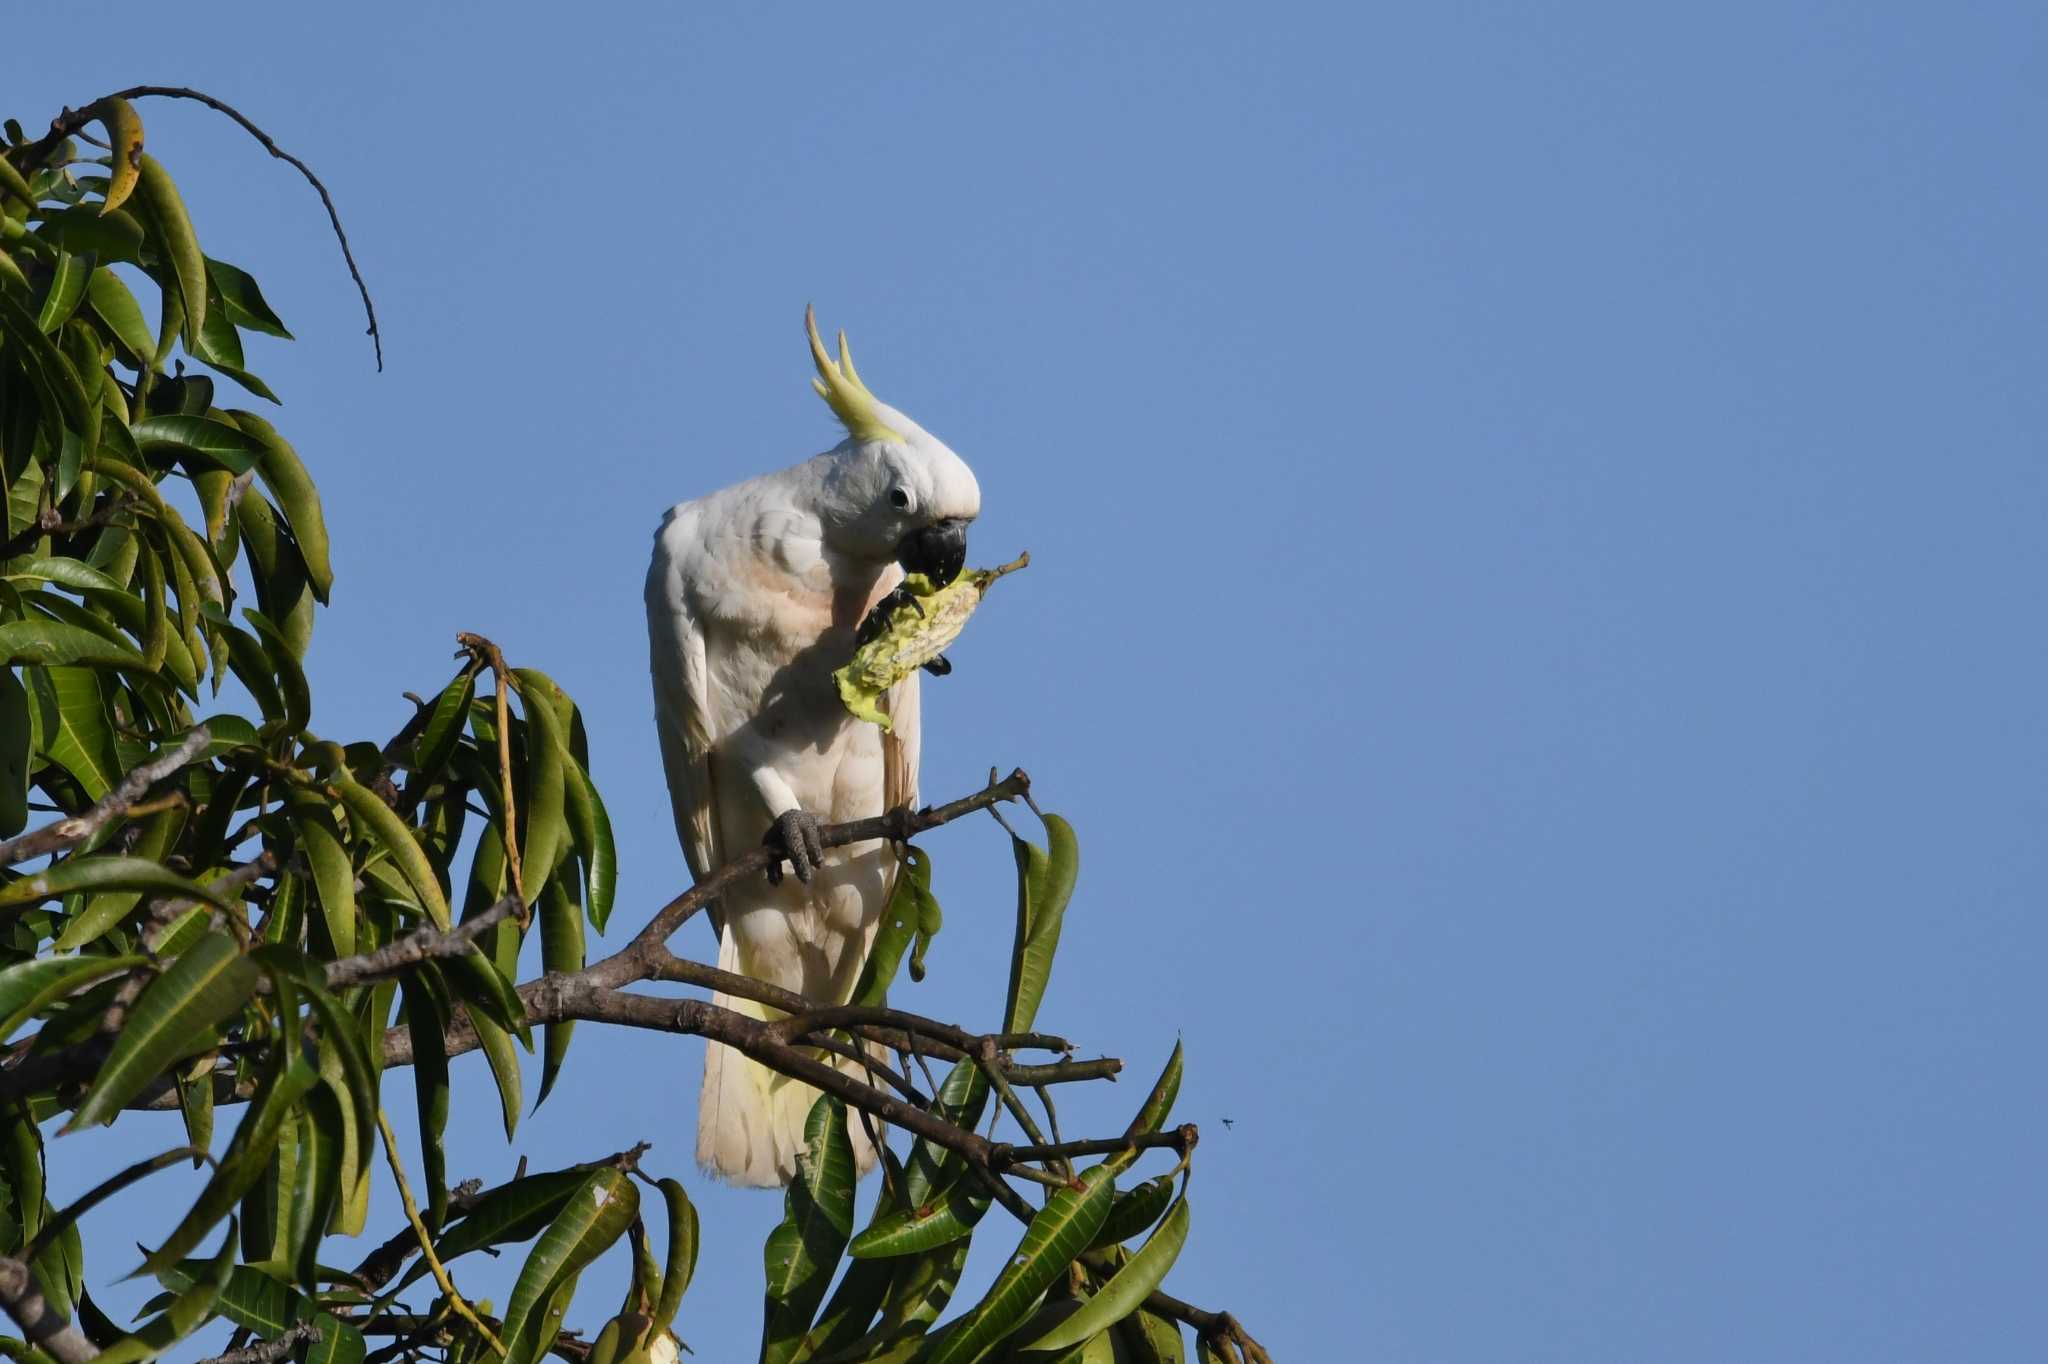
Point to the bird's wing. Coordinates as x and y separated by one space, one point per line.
681 688
900 745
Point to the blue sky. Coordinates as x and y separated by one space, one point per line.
1538 564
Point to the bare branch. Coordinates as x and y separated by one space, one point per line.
278 1347
417 947
65 833
71 120
23 1298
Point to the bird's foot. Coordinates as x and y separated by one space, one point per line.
940 666
795 836
879 615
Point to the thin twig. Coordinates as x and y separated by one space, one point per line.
64 833
485 652
270 1351
71 120
419 1229
421 946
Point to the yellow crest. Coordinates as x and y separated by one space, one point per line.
840 386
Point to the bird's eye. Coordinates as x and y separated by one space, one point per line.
898 498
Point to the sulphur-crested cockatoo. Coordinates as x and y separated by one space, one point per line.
754 597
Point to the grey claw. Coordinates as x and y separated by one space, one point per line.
939 666
795 835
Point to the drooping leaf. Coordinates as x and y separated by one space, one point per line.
592 828
1127 1288
936 1222
803 1250
1045 882
48 643
1059 1232
426 1020
1134 1210
124 143
110 300
285 475
681 1264
67 288
243 1163
561 949
202 988
183 437
246 305
513 1212
333 875
395 837
899 924
594 1217
17 745
28 987
165 209
105 873
542 814
187 1312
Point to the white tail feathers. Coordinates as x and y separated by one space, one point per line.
750 1120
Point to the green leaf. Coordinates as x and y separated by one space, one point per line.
926 1226
1127 1288
67 287
1149 1338
316 1183
561 949
681 1265
961 1097
244 1162
1060 1231
1158 1103
592 828
50 643
124 144
1135 1210
426 1020
62 387
106 906
246 306
497 1048
73 724
202 988
517 1211
339 1343
250 1298
187 1312
333 875
213 440
594 1216
899 923
286 477
71 573
110 300
804 1249
1045 882
17 744
542 815
165 209
105 872
29 987
114 236
394 835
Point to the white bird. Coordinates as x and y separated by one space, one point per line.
753 598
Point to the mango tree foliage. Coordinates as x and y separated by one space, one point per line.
207 905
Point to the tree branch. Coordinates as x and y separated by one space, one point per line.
71 120
23 1298
65 833
278 1347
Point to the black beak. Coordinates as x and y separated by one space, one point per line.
939 551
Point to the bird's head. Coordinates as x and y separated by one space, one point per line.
892 490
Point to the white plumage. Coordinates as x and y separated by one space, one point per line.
753 598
